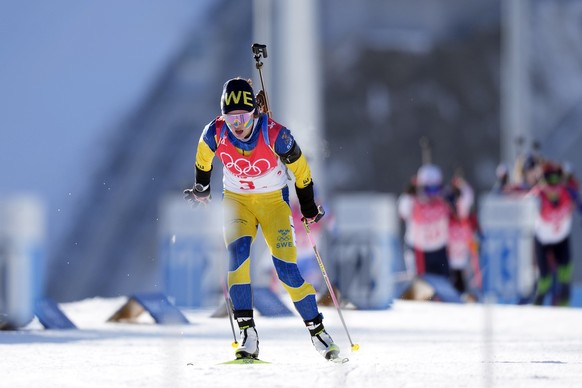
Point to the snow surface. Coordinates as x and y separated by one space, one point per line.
413 344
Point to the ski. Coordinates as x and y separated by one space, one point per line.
250 360
245 360
338 360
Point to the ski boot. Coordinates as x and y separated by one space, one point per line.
321 340
249 338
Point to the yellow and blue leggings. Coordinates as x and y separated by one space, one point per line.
242 215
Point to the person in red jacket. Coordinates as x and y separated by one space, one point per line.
462 249
426 216
552 236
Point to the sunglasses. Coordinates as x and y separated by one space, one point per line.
240 119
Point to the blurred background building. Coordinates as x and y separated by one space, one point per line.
102 104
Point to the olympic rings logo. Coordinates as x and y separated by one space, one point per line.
243 167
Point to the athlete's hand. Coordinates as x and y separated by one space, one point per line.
198 195
315 218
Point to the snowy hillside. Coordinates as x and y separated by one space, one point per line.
414 344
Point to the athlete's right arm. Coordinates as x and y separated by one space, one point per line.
205 154
200 191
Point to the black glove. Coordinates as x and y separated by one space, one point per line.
317 217
310 211
198 195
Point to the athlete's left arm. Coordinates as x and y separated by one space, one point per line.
288 149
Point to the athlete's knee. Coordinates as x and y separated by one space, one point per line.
288 273
238 251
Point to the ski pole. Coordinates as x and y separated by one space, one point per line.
328 283
230 314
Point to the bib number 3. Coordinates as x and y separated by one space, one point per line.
247 185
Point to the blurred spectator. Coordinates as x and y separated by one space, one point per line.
502 179
426 216
553 228
572 185
527 173
462 242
